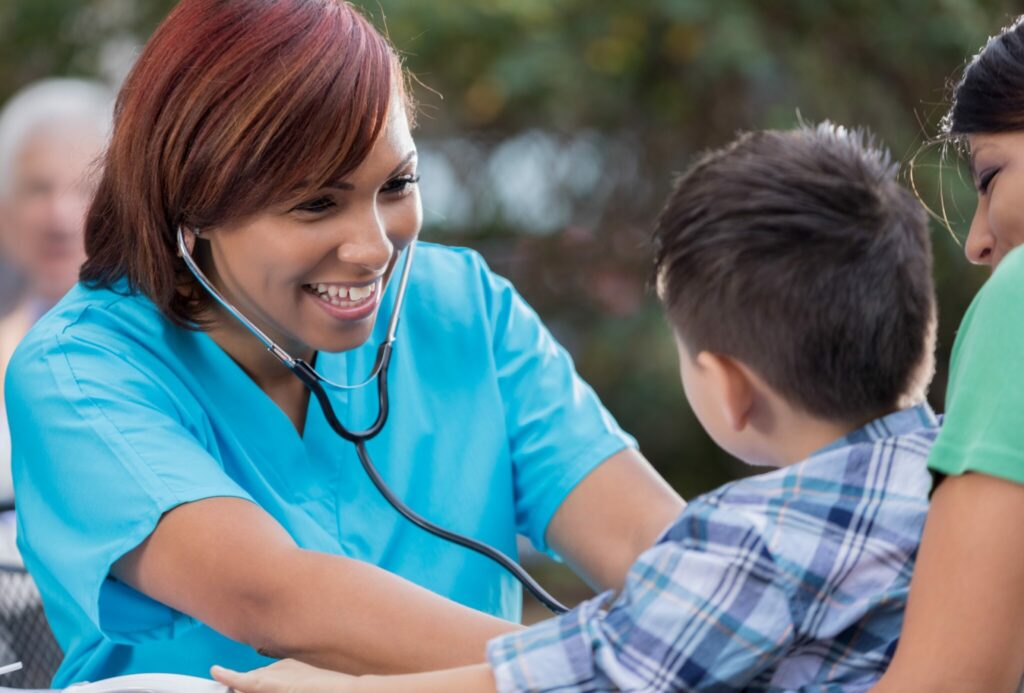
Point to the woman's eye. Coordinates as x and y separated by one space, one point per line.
401 185
985 179
315 206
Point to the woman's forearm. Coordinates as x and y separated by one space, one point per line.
354 617
611 517
964 625
227 563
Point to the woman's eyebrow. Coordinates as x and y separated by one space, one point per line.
402 164
974 158
344 185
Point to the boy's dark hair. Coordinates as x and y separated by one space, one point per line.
798 254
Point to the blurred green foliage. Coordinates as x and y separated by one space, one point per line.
658 81
616 96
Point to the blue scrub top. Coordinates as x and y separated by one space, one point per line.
117 416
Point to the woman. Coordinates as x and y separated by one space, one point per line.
964 629
181 500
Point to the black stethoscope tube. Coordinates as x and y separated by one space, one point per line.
306 374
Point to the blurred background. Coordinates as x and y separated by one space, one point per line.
549 132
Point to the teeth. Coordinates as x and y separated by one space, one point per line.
336 294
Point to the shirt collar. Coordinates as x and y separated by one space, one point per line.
895 424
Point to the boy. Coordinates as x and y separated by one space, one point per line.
796 276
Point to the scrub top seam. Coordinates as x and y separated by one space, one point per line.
145 484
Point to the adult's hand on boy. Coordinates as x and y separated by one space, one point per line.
285 676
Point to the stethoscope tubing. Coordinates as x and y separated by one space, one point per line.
314 382
360 439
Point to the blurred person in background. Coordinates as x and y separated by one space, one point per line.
51 133
964 627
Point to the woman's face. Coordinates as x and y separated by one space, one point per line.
997 164
311 272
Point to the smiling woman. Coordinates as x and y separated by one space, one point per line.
997 164
963 629
309 267
181 502
267 111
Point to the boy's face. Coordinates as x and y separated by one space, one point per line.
704 393
700 387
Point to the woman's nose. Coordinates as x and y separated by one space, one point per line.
366 244
981 242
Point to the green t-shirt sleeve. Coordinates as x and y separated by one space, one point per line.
984 424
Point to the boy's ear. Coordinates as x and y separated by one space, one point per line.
733 386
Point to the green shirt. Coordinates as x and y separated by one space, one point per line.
984 426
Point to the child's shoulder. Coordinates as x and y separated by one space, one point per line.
884 457
873 484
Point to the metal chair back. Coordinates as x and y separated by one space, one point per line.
25 633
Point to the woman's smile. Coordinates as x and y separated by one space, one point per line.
349 302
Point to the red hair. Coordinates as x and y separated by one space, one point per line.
233 106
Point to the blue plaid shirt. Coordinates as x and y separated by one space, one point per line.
791 580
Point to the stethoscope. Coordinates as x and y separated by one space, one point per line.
316 382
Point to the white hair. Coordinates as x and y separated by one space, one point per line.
45 104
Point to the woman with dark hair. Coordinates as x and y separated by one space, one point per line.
181 499
964 628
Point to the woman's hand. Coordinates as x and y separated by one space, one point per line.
286 676
290 676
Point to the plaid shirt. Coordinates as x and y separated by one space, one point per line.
791 580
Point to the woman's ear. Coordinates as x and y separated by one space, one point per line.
732 386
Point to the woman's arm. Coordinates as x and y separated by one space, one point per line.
611 517
964 626
227 563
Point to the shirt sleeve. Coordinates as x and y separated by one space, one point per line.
704 608
982 429
558 429
101 452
